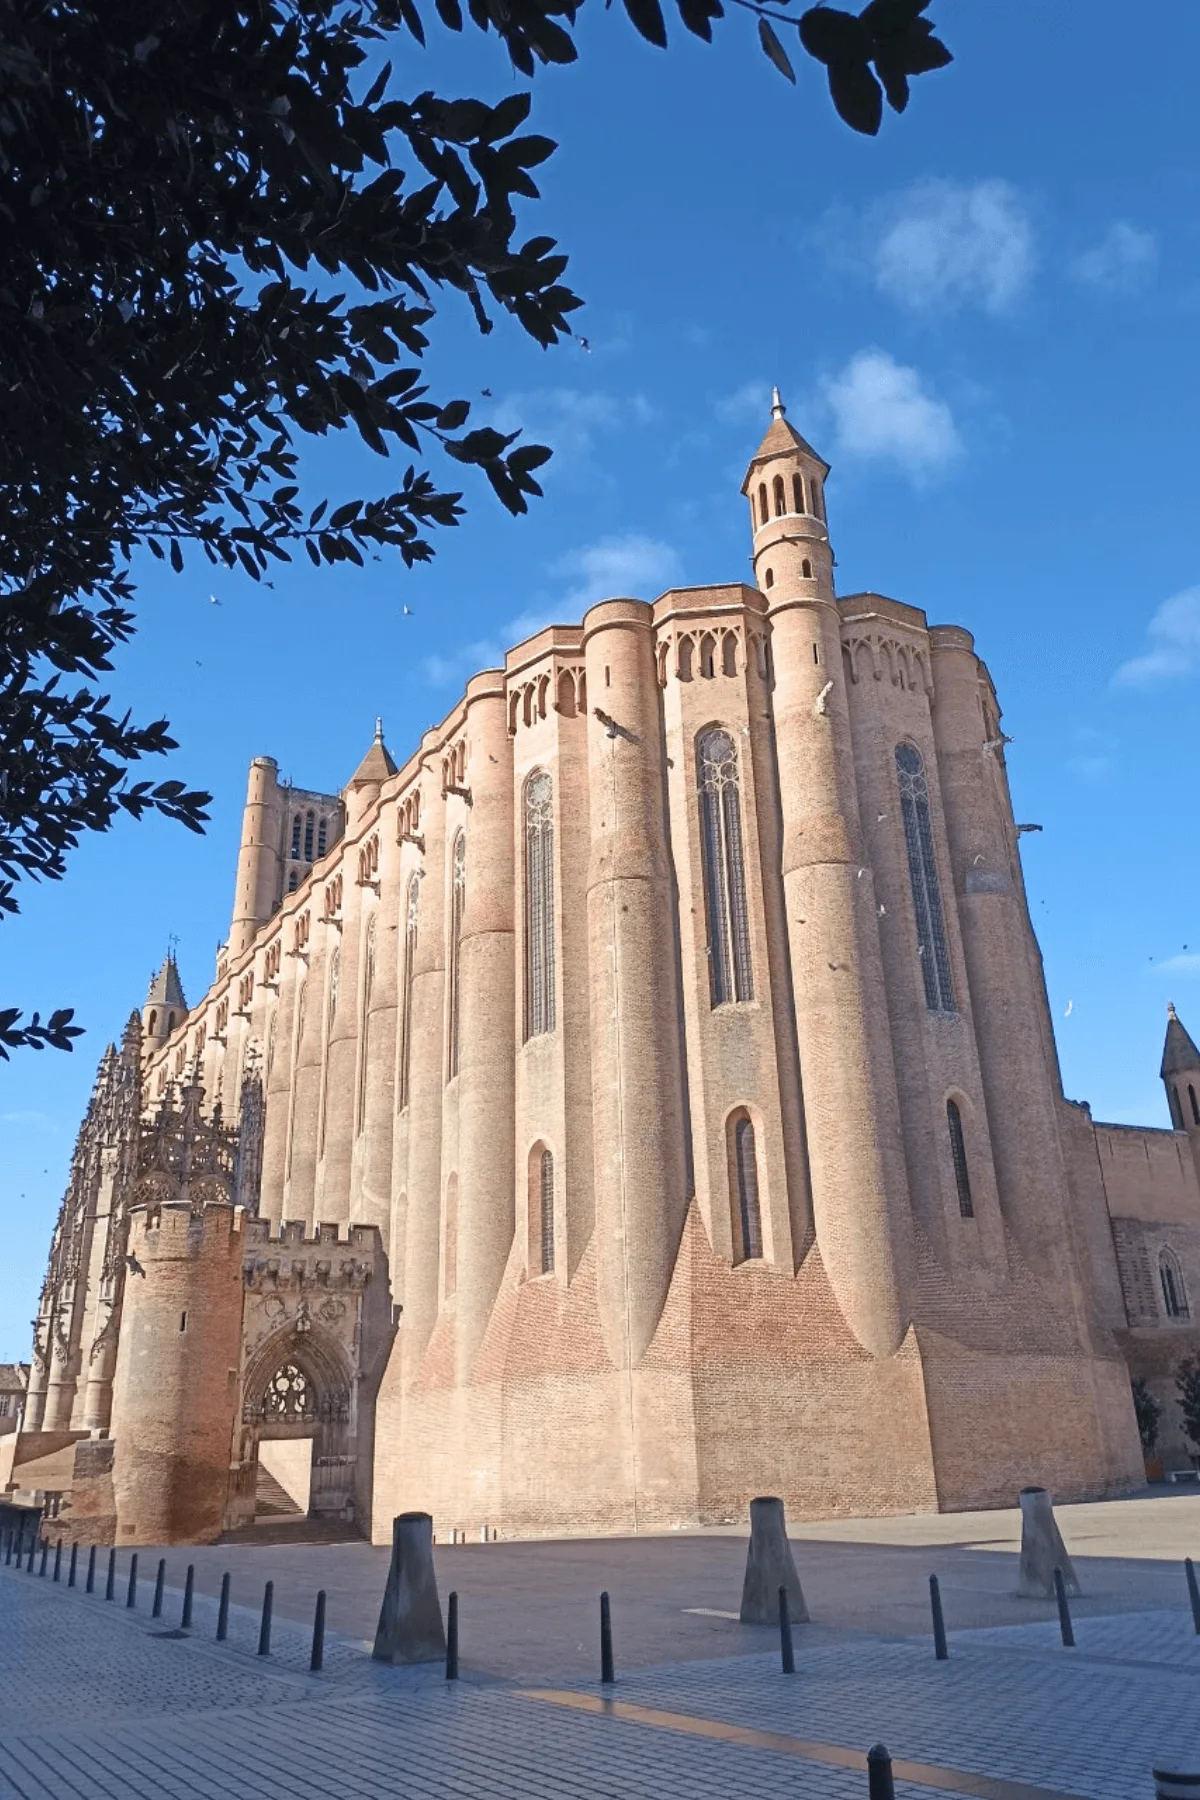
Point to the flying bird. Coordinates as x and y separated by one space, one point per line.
213 601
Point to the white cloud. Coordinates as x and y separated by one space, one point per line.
1174 634
568 419
881 412
611 568
1187 962
1122 261
943 244
751 401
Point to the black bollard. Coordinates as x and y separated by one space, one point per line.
189 1590
880 1785
607 1676
45 1556
8 1547
1064 1611
90 1587
160 1582
32 1549
452 1639
787 1653
223 1610
74 1563
131 1590
316 1661
939 1624
1193 1593
111 1581
264 1629
58 1560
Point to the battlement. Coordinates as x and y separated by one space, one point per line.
172 1228
292 1234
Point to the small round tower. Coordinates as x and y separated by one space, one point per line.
165 1005
1180 1073
259 881
176 1386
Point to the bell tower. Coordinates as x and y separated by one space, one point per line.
1180 1073
785 486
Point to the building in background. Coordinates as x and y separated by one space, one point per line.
643 1099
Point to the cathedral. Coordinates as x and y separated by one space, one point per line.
642 1099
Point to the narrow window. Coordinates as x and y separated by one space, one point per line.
308 836
730 972
1195 1108
539 904
708 656
450 1251
806 569
685 659
763 512
293 881
406 998
183 1321
923 876
729 650
770 579
1170 1275
546 1198
1176 1109
364 1031
780 502
170 1022
958 1153
296 835
321 837
153 1023
749 1217
818 499
457 893
798 493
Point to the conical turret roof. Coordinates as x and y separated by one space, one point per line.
1179 1052
782 439
376 765
166 989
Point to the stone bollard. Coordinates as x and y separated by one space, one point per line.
316 1659
160 1582
769 1567
410 1620
880 1782
223 1610
73 1565
1170 1784
608 1674
1042 1549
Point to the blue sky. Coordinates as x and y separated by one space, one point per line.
987 321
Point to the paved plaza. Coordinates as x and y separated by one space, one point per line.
97 1699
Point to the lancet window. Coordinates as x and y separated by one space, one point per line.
798 492
458 887
539 904
730 970
309 827
1195 1107
546 1204
1176 1109
322 834
958 1155
365 1024
296 835
1170 1276
406 998
748 1246
923 876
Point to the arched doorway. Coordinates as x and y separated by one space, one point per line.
297 1430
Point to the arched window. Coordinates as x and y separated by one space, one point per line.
321 837
1170 1275
818 499
923 875
1176 1109
730 971
748 1222
450 1245
170 1022
364 1030
289 1395
458 887
546 1205
685 659
798 493
1195 1108
958 1155
309 822
806 569
406 998
708 650
293 881
780 501
763 512
729 650
153 1023
296 835
539 904
770 578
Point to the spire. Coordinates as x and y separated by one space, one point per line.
1179 1052
782 439
376 765
166 989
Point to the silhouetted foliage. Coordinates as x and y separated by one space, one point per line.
222 232
1148 1411
1187 1387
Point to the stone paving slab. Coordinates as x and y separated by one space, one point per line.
95 1702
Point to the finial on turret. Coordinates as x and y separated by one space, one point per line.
378 729
778 409
1171 1013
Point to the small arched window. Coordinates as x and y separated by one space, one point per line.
458 888
748 1245
1195 1107
322 830
450 1239
730 970
770 578
546 1210
923 877
1170 1275
818 499
406 997
780 501
806 569
763 512
309 823
170 1022
293 881
729 650
566 694
296 835
1176 1109
539 904
153 1023
798 493
685 659
708 649
958 1155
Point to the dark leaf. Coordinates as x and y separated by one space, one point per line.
775 50
857 96
648 21
835 37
